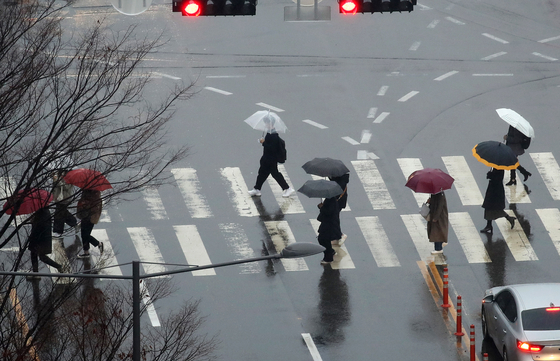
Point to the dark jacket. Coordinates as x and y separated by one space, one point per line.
438 225
515 140
271 147
329 229
495 198
342 182
40 238
90 206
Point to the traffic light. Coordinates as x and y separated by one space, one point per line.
374 6
215 7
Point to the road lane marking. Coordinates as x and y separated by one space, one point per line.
366 136
383 90
371 113
433 24
414 46
549 39
464 183
351 141
166 75
378 242
288 205
516 193
453 20
150 309
225 76
416 227
311 346
147 249
219 91
381 117
342 259
264 105
550 217
315 124
154 204
446 75
193 248
408 166
496 74
281 236
469 237
189 186
107 262
490 36
550 172
493 56
238 192
373 184
544 56
408 96
238 243
516 240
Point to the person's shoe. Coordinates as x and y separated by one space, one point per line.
342 240
255 192
511 182
100 247
487 230
32 277
288 192
323 262
84 255
512 221
437 252
526 176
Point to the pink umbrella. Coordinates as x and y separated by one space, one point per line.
429 180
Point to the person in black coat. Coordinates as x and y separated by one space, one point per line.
40 241
342 199
495 200
329 229
518 142
269 163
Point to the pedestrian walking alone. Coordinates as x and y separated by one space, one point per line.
518 142
329 229
40 241
342 200
438 221
62 196
269 162
495 200
89 211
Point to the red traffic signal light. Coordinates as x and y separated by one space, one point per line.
191 8
215 7
348 6
375 6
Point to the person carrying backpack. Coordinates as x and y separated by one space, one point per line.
273 152
518 142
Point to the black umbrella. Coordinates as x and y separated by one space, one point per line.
496 155
320 188
325 167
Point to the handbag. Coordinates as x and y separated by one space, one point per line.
425 211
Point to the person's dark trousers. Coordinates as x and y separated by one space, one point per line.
329 251
438 246
270 168
44 258
87 238
61 216
522 170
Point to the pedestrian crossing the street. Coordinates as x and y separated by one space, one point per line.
369 233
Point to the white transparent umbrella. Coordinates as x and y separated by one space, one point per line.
266 121
517 121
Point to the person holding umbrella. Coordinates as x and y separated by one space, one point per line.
89 210
495 200
62 193
269 160
518 142
40 242
342 200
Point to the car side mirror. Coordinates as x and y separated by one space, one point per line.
488 299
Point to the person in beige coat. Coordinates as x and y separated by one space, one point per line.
89 210
438 223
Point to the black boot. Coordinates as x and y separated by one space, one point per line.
487 229
512 180
525 173
511 221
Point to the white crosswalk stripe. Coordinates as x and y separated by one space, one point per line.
408 166
342 259
469 237
238 243
516 240
373 184
550 217
550 172
464 183
147 249
193 248
515 193
189 185
238 192
108 262
282 236
416 227
378 242
290 205
154 203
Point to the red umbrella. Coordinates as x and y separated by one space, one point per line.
87 179
29 201
429 180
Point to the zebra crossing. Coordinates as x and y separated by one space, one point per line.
373 235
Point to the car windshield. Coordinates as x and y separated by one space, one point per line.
541 319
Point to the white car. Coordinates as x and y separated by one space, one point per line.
523 321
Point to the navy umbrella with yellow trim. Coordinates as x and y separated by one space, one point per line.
496 155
